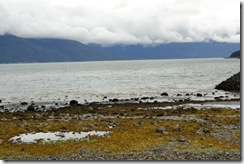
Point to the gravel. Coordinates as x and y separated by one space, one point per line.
160 153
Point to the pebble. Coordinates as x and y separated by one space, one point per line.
182 139
161 153
160 130
60 134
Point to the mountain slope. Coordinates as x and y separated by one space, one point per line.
236 54
20 50
176 50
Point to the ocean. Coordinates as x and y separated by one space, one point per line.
92 81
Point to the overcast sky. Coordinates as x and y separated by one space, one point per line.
109 22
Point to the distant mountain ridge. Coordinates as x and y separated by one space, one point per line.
176 50
25 50
21 50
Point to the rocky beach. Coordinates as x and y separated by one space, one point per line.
143 128
120 80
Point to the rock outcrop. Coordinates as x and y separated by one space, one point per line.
236 54
231 84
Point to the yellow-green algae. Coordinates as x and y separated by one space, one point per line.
127 135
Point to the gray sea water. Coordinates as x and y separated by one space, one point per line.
47 82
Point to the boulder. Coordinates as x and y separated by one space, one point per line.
0 101
73 102
164 94
145 98
236 54
23 103
31 108
230 84
199 95
136 99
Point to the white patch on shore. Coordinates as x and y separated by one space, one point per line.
55 136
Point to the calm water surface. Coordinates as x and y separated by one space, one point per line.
114 79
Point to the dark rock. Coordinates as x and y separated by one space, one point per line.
56 104
2 107
206 130
0 101
115 100
105 97
23 103
199 95
160 115
136 99
151 98
187 94
179 94
236 54
73 102
181 100
139 123
43 106
31 108
63 128
231 84
145 98
164 94
216 98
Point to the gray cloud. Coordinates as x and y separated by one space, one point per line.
111 22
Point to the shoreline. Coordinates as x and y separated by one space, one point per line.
22 106
137 131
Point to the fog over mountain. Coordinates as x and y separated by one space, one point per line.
123 22
23 50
